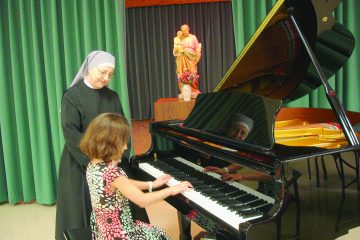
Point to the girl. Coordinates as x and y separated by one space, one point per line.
104 142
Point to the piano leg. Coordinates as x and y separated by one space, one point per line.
184 227
340 162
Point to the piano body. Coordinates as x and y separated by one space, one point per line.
274 67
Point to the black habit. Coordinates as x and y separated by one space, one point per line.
80 105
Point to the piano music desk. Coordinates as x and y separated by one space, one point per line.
172 108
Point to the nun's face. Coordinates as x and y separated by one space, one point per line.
99 77
238 132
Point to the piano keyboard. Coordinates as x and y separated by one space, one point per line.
231 202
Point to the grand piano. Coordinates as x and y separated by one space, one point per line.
296 49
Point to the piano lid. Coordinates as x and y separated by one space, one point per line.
275 64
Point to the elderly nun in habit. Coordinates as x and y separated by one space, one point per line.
87 97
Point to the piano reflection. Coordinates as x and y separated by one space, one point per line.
288 56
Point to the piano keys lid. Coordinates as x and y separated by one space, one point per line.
275 63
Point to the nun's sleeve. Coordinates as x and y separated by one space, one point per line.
120 110
71 125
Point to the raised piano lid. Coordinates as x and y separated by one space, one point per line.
272 68
275 64
227 114
214 117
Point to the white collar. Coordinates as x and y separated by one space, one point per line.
88 84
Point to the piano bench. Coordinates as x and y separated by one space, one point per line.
78 234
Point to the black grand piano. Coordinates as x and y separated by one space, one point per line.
296 49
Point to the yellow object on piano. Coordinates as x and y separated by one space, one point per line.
296 132
292 122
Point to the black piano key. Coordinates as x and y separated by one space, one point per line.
246 198
236 194
250 213
257 203
202 187
265 208
229 189
213 195
240 208
211 192
224 197
230 202
197 183
216 196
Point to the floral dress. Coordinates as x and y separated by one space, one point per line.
111 217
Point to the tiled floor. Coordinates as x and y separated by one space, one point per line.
319 208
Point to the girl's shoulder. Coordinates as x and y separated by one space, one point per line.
100 166
107 168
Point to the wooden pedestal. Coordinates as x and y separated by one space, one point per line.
172 108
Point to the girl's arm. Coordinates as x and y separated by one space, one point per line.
155 184
139 184
134 194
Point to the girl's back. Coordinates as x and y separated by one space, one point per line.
111 216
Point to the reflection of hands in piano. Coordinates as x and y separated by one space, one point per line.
214 169
229 173
225 175
233 177
181 187
161 180
229 169
256 176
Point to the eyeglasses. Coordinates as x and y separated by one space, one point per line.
104 73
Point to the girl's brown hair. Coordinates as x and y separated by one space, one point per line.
105 136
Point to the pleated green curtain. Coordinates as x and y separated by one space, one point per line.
42 45
247 17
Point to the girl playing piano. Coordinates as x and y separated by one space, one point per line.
104 143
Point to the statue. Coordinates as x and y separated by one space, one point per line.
187 52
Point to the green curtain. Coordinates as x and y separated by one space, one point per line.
247 17
42 45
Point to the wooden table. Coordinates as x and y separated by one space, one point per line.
172 108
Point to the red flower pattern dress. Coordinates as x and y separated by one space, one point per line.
111 217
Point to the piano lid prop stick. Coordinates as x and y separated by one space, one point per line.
330 93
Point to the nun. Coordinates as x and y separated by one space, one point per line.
87 97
